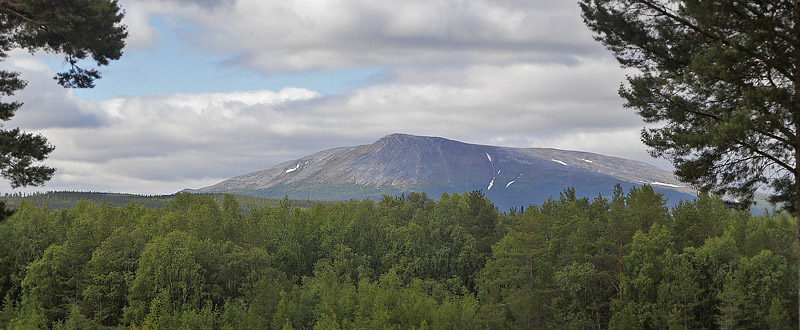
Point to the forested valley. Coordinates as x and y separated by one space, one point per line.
625 261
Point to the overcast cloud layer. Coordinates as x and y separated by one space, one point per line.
510 73
279 36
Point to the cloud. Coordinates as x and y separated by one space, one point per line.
484 101
140 14
45 103
302 35
503 72
161 144
164 143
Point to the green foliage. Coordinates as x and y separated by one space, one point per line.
50 282
75 321
76 29
719 80
110 273
170 277
5 212
753 287
631 264
406 262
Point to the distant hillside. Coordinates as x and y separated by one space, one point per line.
67 199
401 163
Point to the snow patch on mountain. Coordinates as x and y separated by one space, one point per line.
293 168
666 184
400 163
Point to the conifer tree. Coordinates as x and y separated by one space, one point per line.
75 29
718 82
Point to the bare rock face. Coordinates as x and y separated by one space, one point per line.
399 163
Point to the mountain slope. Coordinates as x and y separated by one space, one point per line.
399 163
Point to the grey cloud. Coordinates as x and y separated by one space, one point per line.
291 36
206 3
161 144
52 110
58 115
506 72
46 104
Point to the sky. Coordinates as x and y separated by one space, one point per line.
211 89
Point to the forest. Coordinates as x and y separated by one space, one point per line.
625 261
67 199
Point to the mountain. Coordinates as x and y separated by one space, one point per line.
400 163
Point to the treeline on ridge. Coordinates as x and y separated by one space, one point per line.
407 262
57 200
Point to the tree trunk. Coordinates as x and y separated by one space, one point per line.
685 307
797 156
798 266
797 206
619 262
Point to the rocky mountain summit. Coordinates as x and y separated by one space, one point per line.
400 163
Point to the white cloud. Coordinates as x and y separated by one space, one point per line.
483 101
504 72
164 143
300 35
137 20
45 103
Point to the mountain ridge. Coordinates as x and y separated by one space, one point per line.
398 163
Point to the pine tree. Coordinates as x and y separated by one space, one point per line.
76 29
719 82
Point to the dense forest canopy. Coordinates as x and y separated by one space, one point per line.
406 262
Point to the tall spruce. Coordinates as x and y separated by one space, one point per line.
76 29
718 82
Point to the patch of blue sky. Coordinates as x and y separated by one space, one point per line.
176 66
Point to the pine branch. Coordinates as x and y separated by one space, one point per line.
12 8
708 34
